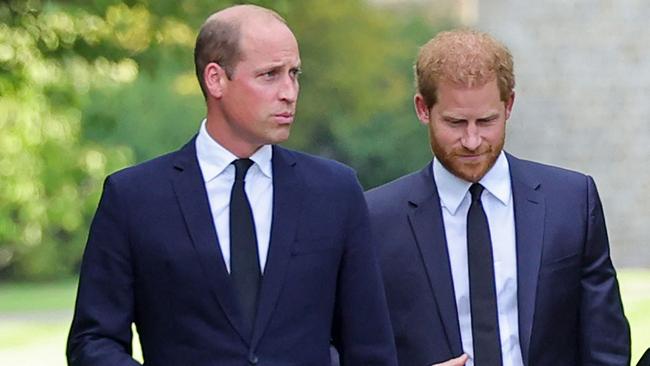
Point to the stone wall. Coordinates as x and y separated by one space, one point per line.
583 100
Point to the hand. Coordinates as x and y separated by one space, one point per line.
459 361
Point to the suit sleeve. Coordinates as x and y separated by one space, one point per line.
101 328
362 330
605 333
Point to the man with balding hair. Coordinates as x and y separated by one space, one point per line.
233 250
488 259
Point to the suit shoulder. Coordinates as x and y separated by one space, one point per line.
318 166
389 196
559 183
146 170
549 173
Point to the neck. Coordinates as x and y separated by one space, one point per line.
219 131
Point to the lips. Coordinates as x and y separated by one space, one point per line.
470 158
284 117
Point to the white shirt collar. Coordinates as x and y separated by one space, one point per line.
214 158
452 190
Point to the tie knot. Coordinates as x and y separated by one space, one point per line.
475 190
241 167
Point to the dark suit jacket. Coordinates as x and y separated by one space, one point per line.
570 310
153 258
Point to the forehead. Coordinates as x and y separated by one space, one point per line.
267 41
477 97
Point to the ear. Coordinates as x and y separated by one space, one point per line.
421 109
214 77
509 103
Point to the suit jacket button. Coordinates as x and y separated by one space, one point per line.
252 359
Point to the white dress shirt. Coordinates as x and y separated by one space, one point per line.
498 205
219 174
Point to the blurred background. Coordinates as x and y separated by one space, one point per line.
90 86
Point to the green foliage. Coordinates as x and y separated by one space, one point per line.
387 140
49 178
90 86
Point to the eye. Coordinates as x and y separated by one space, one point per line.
270 74
295 72
454 121
487 119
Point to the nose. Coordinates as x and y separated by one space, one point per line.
289 90
471 139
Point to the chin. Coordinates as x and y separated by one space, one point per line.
279 138
470 174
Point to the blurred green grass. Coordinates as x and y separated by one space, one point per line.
35 318
635 291
21 297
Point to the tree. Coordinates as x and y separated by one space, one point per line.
90 86
50 178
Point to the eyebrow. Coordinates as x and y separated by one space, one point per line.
455 117
490 116
449 117
276 65
268 67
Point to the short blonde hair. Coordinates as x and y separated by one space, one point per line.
465 57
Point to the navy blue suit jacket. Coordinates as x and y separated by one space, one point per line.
153 259
570 310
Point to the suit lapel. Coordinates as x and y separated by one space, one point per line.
193 200
529 208
426 222
287 195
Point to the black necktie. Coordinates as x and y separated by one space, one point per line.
482 292
244 262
